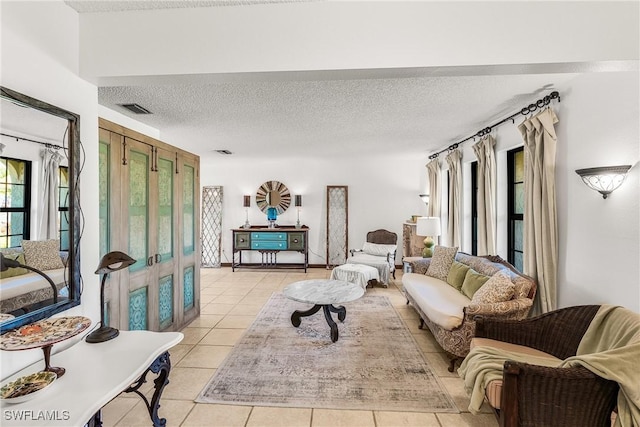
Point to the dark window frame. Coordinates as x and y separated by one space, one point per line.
26 210
512 216
474 208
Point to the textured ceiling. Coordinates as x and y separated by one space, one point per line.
329 117
84 6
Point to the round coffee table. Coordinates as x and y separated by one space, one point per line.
323 294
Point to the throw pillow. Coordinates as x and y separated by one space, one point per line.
13 272
472 282
457 273
498 288
378 249
42 254
441 262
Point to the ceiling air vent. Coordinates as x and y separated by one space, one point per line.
225 152
136 108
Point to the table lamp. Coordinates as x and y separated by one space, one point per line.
7 263
246 204
429 227
298 204
113 261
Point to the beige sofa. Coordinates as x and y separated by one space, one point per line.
449 312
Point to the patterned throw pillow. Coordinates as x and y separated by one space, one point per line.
12 272
42 254
457 274
441 262
498 288
472 282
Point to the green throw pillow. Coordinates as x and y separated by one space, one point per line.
457 273
472 282
12 272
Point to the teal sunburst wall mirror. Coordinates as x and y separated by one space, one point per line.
273 194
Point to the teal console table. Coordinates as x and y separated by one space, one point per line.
269 242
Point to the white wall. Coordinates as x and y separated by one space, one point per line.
40 59
599 240
383 193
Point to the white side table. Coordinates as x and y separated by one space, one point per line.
95 374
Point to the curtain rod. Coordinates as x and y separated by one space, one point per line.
46 144
524 111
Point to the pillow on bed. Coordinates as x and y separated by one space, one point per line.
42 254
12 272
378 249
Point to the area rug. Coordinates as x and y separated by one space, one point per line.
375 364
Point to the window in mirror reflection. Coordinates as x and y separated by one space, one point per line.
15 201
63 208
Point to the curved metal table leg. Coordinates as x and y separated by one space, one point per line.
334 328
161 366
342 312
295 317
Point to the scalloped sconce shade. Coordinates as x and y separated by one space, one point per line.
605 179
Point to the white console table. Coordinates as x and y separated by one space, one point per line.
95 374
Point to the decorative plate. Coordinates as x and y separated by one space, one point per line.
43 333
27 387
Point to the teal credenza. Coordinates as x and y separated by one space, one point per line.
269 242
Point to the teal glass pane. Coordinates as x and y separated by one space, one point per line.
166 301
63 197
104 167
15 241
188 288
518 262
188 215
165 209
518 190
518 160
16 223
138 309
138 209
15 196
518 235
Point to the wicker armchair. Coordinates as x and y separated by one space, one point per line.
541 396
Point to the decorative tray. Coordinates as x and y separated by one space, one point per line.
44 332
27 387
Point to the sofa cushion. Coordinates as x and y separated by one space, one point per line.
472 282
493 390
498 288
441 262
457 272
378 249
42 254
439 301
13 272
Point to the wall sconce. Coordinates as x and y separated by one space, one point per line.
246 204
604 179
428 227
425 199
298 204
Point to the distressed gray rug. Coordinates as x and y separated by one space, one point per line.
375 364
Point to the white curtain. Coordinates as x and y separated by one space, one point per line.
455 189
540 217
433 174
486 196
49 182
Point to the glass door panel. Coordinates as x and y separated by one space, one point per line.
138 208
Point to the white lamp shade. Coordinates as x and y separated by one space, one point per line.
428 226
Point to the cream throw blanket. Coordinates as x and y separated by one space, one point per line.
610 348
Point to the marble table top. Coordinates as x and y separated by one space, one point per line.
323 291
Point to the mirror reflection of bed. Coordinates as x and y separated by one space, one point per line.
34 202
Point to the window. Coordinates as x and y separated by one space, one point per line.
474 208
63 208
515 201
15 201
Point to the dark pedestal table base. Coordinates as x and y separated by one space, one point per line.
328 309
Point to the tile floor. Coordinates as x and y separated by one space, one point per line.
229 303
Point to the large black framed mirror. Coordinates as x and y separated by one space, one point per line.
26 123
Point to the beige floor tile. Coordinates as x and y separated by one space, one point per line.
338 418
279 417
405 419
214 308
440 364
206 299
228 299
235 322
241 290
222 337
455 387
467 420
193 335
217 415
246 309
212 290
427 343
177 352
206 321
256 299
205 356
115 410
186 383
174 411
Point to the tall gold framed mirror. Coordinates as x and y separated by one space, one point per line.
273 194
33 132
